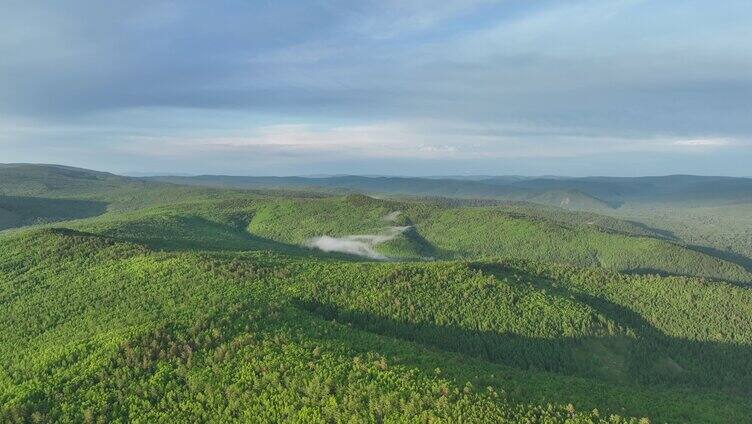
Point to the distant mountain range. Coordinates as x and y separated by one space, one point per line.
589 193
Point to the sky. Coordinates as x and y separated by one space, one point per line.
397 87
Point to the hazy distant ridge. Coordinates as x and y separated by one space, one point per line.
573 193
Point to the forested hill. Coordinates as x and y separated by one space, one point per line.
99 329
56 180
436 229
132 300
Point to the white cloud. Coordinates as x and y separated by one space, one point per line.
388 139
703 142
425 139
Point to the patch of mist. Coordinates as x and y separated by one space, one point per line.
359 244
349 244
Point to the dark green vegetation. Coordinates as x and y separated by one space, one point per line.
21 211
154 302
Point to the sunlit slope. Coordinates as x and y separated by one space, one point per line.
726 229
100 329
492 232
554 214
443 232
295 221
38 194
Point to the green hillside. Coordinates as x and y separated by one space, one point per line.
486 232
134 301
144 335
555 214
707 212
432 231
467 233
724 230
57 181
564 197
92 192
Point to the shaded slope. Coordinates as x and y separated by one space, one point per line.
20 211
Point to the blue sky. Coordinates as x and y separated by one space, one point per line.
379 87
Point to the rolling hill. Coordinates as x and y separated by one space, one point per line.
436 230
144 335
139 300
705 212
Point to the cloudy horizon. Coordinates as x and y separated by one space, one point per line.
410 88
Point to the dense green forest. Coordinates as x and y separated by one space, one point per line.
131 300
711 214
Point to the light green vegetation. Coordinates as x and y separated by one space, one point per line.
467 232
294 221
102 329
